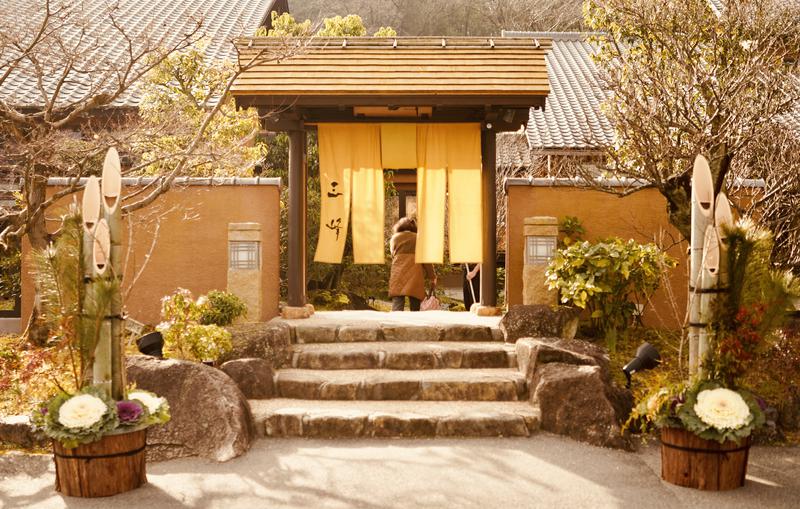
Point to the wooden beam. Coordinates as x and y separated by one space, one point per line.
489 267
297 219
502 119
277 102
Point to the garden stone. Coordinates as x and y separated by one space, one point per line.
18 431
532 353
254 377
572 400
271 341
539 321
210 415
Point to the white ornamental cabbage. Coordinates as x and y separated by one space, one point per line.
722 408
152 402
82 411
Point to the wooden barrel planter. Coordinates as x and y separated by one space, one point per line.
690 461
112 465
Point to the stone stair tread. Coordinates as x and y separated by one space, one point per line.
399 346
340 419
497 384
424 375
403 355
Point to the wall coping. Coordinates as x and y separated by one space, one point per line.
185 181
605 182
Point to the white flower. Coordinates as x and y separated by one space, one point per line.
82 411
202 300
151 401
722 408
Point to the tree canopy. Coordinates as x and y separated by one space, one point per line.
684 80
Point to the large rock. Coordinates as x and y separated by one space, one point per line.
573 402
532 353
18 431
254 377
539 321
210 415
271 341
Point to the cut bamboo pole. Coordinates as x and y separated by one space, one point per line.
709 277
90 213
112 212
723 218
702 218
102 354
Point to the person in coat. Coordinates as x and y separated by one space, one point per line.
407 278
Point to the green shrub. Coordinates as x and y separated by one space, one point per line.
608 278
10 283
185 337
222 308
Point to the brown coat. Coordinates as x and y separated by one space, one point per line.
407 278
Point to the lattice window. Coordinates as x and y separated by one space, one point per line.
244 255
539 250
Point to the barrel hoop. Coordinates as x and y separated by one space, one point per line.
704 451
99 456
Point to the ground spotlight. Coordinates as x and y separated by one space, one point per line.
151 344
647 357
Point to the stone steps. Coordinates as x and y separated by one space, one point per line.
353 419
375 331
404 355
506 384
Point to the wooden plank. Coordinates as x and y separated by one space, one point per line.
378 81
399 70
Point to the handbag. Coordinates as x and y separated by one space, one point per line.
431 303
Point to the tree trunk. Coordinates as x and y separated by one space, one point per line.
678 192
38 238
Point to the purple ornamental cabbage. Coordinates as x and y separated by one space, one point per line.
129 412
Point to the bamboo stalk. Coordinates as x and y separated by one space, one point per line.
709 277
90 213
112 191
702 217
102 361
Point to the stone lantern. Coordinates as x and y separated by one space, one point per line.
541 237
244 266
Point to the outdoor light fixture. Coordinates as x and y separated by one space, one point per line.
647 357
539 249
151 344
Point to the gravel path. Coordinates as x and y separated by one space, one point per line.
543 471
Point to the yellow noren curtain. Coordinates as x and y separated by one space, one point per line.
465 199
335 163
431 192
367 195
350 175
399 146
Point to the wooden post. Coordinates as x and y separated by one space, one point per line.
297 218
489 171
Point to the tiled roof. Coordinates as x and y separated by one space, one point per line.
513 152
166 20
719 5
571 119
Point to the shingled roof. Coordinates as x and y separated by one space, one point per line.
424 68
168 21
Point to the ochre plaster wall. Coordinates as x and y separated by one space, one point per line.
190 228
641 216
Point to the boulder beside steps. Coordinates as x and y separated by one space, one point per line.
394 380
